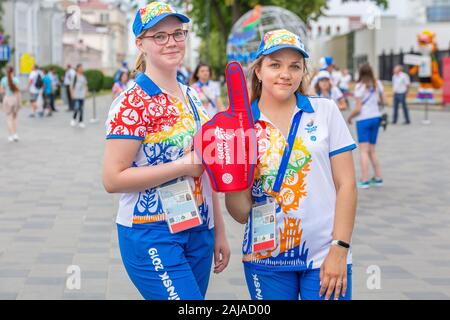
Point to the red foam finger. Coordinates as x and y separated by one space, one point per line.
227 143
237 87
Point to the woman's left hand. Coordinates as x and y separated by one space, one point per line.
333 273
221 251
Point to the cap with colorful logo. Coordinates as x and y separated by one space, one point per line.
148 16
280 39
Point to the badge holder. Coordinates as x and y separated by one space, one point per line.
263 226
179 207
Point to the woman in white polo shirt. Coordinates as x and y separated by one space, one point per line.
300 211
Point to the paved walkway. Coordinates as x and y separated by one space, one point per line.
54 213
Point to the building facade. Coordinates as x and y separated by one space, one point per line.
35 28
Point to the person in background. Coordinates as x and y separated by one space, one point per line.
79 92
9 87
121 85
208 90
183 74
400 84
48 93
123 68
55 86
35 84
369 96
68 80
344 84
324 88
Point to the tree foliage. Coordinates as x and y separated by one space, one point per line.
213 20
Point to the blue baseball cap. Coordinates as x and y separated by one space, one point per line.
148 16
325 62
280 39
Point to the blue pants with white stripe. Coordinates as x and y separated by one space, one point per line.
265 284
166 266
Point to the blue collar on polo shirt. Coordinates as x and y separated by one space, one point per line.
147 84
303 104
201 84
150 87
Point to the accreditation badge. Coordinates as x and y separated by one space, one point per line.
179 206
263 227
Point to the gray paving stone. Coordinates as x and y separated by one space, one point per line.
55 258
54 281
13 273
8 295
426 295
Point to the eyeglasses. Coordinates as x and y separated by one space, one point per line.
162 38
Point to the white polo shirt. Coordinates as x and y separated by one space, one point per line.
371 101
306 203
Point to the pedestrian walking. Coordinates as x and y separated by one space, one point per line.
48 93
79 91
369 98
56 86
35 88
9 88
69 75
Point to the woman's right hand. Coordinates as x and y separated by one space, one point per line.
192 165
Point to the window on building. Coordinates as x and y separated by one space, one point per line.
104 17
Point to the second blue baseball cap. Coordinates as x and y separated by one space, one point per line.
280 39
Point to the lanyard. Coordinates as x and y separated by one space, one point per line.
370 96
194 111
287 151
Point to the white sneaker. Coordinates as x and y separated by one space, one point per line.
15 137
10 138
82 125
73 123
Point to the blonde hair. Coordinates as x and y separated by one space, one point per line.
139 65
256 87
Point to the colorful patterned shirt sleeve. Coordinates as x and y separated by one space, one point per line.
340 139
128 116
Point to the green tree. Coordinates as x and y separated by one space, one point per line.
213 20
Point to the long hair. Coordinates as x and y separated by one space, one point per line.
318 90
366 76
12 86
194 77
139 65
256 87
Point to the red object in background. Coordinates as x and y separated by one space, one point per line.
446 77
227 143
